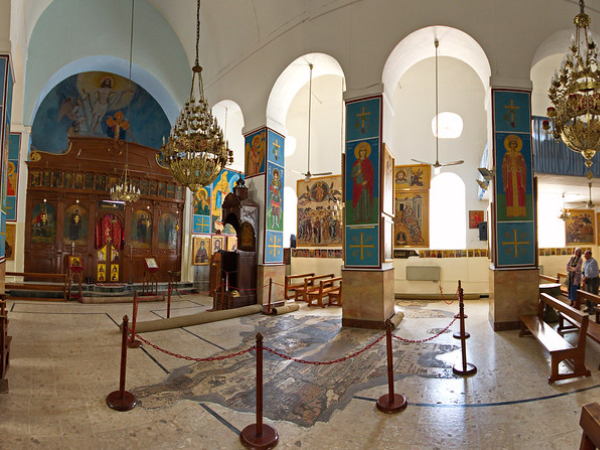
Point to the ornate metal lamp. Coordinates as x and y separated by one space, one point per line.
125 191
196 151
575 94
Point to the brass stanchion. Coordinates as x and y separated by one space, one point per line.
133 342
390 402
122 400
461 333
269 309
169 300
467 368
259 435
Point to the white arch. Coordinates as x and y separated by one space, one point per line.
291 80
418 46
230 117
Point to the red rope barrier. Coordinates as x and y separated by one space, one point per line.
446 301
418 341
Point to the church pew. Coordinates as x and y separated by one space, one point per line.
559 348
563 287
590 423
327 288
309 285
59 285
593 330
292 284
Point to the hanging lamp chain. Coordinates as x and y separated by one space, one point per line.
197 32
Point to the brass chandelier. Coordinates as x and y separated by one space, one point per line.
125 191
575 94
196 151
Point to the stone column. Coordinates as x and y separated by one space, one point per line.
514 264
367 276
265 178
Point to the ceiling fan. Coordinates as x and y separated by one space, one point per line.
307 174
589 204
437 164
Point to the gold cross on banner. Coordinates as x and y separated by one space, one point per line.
272 246
362 246
362 116
516 242
512 108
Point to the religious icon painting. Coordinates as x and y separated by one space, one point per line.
275 183
411 224
43 224
74 262
35 178
101 254
168 230
141 229
100 182
362 189
144 187
162 190
475 218
88 181
319 219
202 250
514 183
78 181
387 181
223 185
580 227
255 153
247 241
151 264
153 188
75 224
57 179
46 178
231 243
68 180
217 243
411 177
114 272
101 273
9 245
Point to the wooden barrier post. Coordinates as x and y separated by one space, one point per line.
122 400
390 402
269 310
259 435
133 342
467 368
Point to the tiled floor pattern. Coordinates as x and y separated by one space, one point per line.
65 361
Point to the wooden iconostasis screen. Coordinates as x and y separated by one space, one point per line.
68 213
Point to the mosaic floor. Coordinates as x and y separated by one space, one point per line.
66 356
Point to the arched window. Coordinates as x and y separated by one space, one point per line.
448 215
290 215
551 229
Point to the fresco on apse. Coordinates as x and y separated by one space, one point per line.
82 105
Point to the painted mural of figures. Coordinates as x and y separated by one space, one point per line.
201 254
220 191
255 154
363 177
75 111
275 200
514 177
202 204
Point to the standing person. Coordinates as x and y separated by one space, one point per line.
574 274
590 278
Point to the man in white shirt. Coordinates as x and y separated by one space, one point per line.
591 278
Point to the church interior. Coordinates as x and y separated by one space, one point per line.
360 223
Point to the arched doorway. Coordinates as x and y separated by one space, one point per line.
109 238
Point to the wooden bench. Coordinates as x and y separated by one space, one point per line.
327 288
565 324
292 284
559 278
60 285
590 423
559 348
309 285
5 340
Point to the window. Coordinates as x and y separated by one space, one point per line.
448 215
451 125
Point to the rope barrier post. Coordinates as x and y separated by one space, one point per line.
390 403
259 435
122 400
461 315
467 368
133 342
169 300
269 310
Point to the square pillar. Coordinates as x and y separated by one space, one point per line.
368 298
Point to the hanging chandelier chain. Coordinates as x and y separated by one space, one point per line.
581 7
437 104
309 112
197 63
